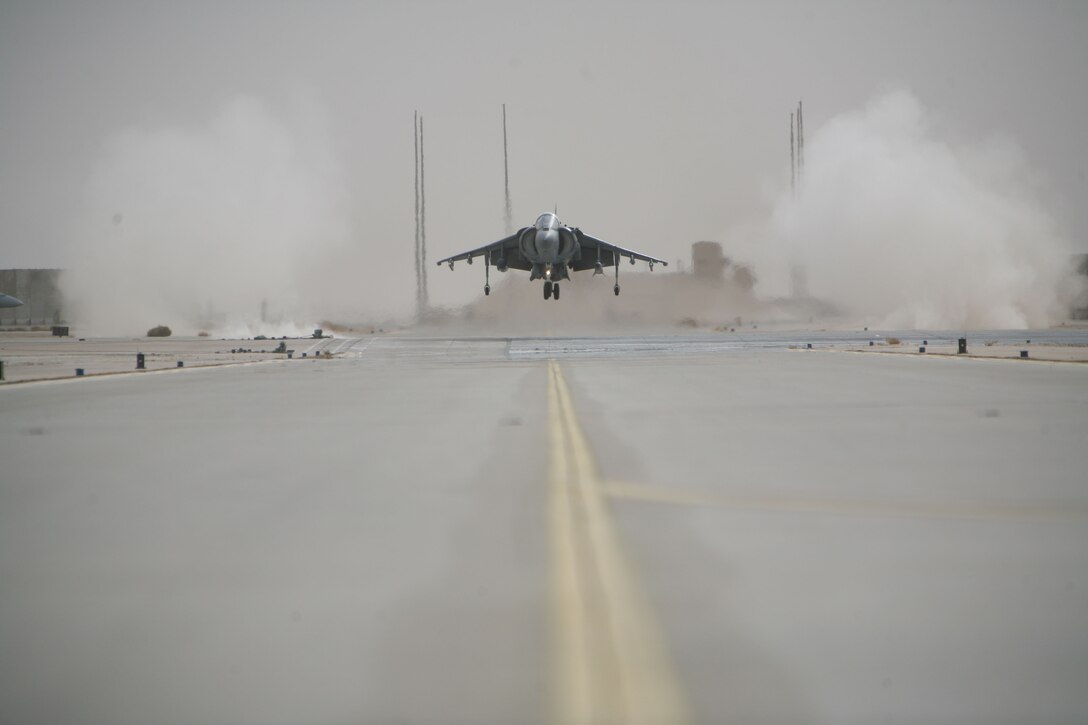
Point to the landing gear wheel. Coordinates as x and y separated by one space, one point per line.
555 290
487 289
547 290
616 290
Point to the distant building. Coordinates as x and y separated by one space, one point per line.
707 261
708 264
39 289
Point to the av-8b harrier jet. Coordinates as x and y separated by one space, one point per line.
9 301
549 250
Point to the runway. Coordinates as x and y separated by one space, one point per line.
549 529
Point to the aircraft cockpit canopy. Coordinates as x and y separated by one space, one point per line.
547 221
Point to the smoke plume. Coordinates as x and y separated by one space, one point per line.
237 226
900 229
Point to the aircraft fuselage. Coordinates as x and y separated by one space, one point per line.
549 246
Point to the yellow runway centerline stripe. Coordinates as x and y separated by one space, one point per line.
609 661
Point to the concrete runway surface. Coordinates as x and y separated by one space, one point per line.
578 530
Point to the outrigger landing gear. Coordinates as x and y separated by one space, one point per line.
548 290
487 289
487 274
616 289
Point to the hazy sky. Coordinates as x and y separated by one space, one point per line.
649 124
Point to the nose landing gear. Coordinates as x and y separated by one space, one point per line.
548 290
555 290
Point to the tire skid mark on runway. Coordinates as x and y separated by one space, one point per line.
343 345
358 346
681 496
312 348
609 662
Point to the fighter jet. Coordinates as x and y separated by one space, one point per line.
550 250
9 301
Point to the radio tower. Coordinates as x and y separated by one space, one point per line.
421 221
800 140
793 158
797 147
509 214
798 282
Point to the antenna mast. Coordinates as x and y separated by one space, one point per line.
800 139
793 158
415 141
422 223
797 147
421 220
509 214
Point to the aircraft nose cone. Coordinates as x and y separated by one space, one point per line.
547 243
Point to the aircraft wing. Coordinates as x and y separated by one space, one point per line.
506 248
608 253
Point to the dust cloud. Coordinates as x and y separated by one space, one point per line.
237 226
896 227
244 224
